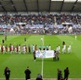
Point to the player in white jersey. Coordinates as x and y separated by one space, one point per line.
41 39
75 37
12 48
3 49
69 49
6 48
16 49
0 47
19 48
24 49
64 49
58 48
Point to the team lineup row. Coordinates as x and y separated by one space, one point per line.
22 48
30 49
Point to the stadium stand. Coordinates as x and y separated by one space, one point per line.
42 24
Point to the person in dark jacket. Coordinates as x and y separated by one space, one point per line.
27 73
34 55
66 73
39 77
24 39
7 73
3 41
59 74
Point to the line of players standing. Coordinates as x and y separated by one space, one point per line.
64 50
20 48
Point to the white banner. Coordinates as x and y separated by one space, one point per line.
45 54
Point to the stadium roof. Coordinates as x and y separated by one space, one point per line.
40 5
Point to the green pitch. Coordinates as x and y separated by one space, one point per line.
18 62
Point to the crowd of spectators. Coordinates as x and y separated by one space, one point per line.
41 23
40 19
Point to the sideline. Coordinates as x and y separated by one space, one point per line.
42 59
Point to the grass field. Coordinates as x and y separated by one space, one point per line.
18 62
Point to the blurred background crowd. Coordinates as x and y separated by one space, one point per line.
40 24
